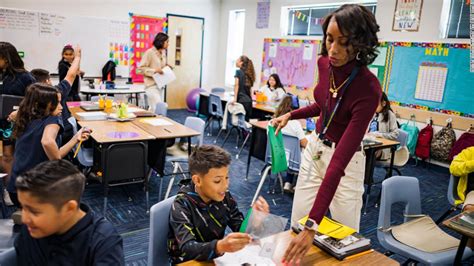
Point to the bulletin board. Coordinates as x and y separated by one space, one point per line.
143 30
295 62
432 77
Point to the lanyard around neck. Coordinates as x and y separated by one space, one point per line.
327 122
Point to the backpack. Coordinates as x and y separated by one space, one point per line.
442 143
108 71
412 130
423 145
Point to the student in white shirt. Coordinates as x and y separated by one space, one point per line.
273 89
293 128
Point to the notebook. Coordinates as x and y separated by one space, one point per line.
91 107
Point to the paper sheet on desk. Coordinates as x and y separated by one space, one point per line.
156 122
250 255
134 109
164 79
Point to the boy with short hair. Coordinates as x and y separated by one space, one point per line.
204 208
57 229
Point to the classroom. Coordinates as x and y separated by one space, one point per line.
225 132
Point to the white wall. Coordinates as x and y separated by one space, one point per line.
119 9
253 39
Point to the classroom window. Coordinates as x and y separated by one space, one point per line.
307 20
455 19
235 43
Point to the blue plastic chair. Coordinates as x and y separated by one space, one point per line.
217 90
159 228
293 156
215 111
452 196
406 190
85 156
161 108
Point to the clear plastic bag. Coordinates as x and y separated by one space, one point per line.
260 224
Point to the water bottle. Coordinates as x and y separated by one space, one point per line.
310 124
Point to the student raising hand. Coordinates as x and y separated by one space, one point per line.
233 242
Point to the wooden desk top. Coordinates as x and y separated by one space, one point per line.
110 131
315 256
165 132
264 107
386 143
458 228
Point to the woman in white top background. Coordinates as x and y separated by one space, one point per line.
153 61
273 89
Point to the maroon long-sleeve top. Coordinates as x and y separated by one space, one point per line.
349 124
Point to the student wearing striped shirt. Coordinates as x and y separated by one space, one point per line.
204 208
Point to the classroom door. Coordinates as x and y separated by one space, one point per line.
185 55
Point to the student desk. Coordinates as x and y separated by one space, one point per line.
258 145
132 89
315 256
466 234
260 111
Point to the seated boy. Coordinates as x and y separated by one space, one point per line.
204 208
57 229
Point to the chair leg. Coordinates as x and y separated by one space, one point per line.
367 198
398 171
170 184
161 187
226 137
242 147
218 134
260 184
106 193
182 171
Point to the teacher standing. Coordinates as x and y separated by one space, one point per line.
153 61
333 164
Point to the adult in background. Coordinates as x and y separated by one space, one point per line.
153 61
333 164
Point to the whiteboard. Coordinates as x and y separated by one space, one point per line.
41 36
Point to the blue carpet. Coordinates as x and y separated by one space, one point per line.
127 210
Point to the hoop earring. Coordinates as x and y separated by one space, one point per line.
358 56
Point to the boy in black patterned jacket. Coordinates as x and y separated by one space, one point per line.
204 208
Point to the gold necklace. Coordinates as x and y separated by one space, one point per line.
332 85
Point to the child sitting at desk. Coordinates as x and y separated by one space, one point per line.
204 208
67 58
384 125
273 89
58 229
37 131
293 128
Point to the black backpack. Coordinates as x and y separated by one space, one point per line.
108 71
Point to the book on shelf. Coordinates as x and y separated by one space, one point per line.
336 239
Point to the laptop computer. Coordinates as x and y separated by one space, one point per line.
91 107
9 103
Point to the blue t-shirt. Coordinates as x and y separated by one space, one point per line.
29 151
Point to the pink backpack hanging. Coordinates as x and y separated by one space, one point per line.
423 145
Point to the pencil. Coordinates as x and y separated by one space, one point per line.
78 148
167 130
359 254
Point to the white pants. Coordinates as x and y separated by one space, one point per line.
347 202
154 96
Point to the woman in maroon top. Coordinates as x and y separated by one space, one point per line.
333 164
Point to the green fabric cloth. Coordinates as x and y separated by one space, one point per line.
277 146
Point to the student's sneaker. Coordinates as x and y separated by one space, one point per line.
6 198
16 217
288 188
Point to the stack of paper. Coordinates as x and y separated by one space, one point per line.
89 116
164 79
250 255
